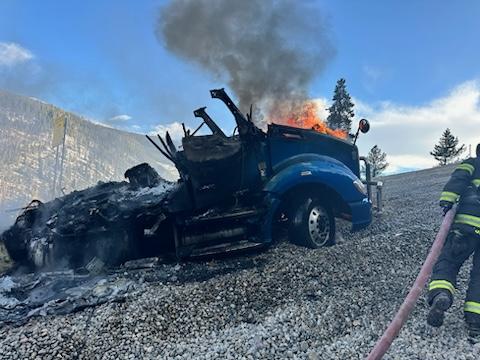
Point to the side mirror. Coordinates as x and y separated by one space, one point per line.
364 126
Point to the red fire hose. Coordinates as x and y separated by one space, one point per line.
382 346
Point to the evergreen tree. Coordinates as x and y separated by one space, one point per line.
378 160
447 149
341 111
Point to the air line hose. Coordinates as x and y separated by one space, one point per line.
384 343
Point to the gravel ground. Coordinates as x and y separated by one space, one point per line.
286 302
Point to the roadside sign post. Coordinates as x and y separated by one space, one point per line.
63 156
58 138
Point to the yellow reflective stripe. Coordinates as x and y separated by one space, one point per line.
472 306
468 220
441 284
449 196
476 182
466 167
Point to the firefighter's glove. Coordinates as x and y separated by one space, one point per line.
446 206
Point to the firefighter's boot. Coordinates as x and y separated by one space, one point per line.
440 303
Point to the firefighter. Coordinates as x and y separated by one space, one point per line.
463 240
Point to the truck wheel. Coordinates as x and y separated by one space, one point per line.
312 224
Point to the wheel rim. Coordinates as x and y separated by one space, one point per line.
319 226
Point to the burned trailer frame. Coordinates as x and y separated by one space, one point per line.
233 190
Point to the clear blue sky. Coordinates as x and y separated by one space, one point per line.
101 58
416 49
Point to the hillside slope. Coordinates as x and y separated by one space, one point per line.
93 152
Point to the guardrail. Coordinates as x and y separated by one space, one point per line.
378 204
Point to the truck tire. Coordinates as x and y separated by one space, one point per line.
312 224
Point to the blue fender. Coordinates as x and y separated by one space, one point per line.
322 170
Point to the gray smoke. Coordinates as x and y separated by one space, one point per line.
267 51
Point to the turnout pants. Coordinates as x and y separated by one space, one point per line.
459 245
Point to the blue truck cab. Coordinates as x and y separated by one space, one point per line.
329 165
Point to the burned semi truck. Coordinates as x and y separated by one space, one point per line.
232 193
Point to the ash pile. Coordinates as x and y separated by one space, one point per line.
23 296
58 293
43 294
91 228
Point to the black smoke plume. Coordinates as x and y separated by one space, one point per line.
268 51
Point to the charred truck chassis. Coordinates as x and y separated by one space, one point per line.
231 193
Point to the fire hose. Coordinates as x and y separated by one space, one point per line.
384 343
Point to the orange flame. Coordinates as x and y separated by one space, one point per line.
305 116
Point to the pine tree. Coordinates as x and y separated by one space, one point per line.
378 160
341 111
447 150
